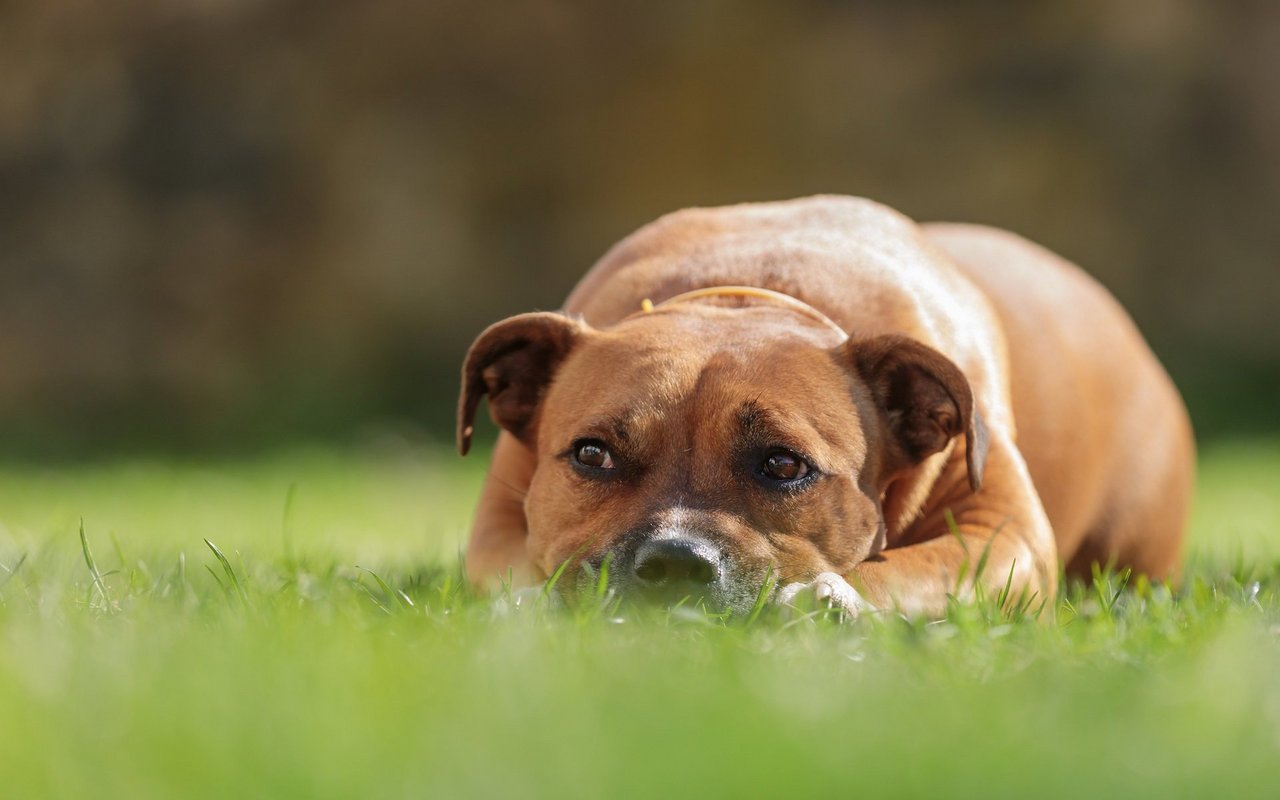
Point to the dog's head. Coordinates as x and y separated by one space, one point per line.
695 449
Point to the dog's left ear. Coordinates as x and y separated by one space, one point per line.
925 398
513 362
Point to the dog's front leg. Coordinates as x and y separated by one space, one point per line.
1001 537
497 551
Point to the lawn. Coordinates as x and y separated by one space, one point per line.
334 654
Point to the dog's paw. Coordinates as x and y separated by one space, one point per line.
828 591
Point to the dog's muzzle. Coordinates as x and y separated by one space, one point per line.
672 569
681 568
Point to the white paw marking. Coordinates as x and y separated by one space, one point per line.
826 591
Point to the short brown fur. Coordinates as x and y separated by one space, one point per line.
975 359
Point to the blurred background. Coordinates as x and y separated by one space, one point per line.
226 224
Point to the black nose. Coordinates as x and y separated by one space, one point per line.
670 562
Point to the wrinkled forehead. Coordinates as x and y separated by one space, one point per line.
707 368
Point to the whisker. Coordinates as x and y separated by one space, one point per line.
511 487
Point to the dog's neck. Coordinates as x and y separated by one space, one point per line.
752 293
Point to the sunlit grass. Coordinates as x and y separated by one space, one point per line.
322 644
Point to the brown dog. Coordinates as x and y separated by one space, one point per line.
698 417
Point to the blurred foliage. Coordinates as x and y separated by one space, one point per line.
227 221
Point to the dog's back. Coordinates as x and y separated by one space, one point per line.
1101 426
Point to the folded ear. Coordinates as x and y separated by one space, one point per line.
925 398
513 361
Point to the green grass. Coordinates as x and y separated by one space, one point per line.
321 645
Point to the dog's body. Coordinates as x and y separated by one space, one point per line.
741 423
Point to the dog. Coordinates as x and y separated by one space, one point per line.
825 396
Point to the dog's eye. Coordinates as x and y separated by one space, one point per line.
784 467
592 454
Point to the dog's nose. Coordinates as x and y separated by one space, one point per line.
668 563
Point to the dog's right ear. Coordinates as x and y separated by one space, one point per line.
513 361
924 397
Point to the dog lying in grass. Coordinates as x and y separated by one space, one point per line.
824 395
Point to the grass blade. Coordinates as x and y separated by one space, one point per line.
217 580
400 596
602 583
376 601
11 571
550 585
762 597
954 530
232 578
98 583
